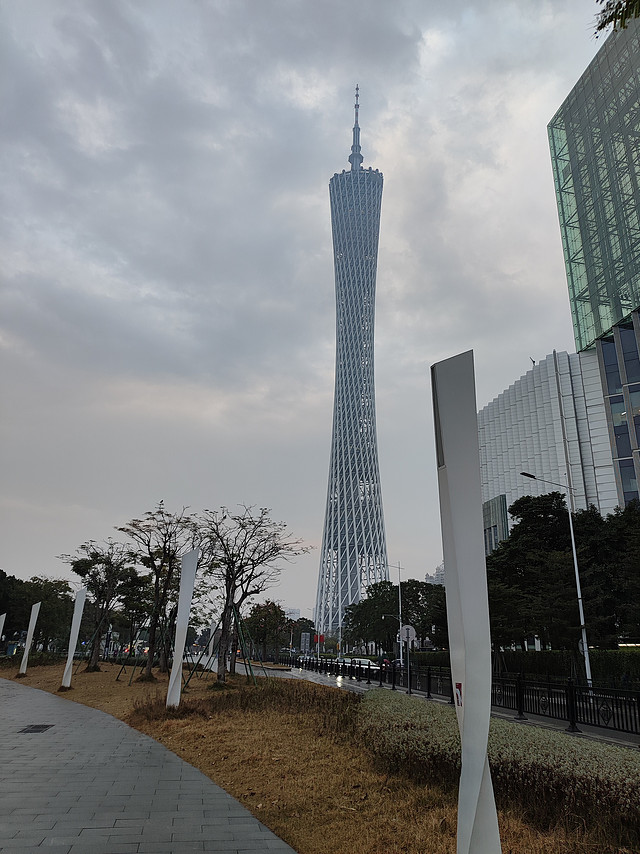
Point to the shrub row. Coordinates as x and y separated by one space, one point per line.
551 777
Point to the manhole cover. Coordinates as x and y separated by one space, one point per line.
36 728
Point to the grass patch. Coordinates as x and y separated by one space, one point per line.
332 712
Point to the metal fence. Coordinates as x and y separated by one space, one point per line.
609 708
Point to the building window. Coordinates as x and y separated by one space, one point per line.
630 353
629 480
634 399
620 426
610 360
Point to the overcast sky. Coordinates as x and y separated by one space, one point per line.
167 304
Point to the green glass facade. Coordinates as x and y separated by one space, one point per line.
595 152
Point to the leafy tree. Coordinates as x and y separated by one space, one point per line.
160 538
531 576
373 618
267 625
136 604
424 607
242 555
366 620
623 555
299 627
616 13
14 604
54 620
106 572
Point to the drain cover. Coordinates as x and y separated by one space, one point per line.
36 728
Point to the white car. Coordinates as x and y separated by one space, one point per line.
365 663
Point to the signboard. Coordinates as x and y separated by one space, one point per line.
305 641
408 634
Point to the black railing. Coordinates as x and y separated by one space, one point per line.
609 708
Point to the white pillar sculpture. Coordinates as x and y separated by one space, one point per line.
35 609
78 608
187 581
212 660
456 428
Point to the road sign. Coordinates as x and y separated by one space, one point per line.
408 634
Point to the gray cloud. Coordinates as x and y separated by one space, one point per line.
167 294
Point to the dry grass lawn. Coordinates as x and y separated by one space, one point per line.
319 793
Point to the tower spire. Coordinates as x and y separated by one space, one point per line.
356 158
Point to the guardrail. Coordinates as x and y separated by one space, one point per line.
609 708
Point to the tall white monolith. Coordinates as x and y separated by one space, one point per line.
187 581
456 427
35 609
78 608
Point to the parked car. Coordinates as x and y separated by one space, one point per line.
365 663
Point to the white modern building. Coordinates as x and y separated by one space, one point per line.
551 422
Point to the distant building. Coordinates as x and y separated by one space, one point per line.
354 548
292 613
552 423
437 577
594 140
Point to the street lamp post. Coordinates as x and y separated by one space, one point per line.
583 628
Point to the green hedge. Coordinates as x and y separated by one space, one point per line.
550 777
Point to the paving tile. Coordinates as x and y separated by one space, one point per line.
142 798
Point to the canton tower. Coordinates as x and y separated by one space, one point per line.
354 549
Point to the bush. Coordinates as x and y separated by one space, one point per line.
552 778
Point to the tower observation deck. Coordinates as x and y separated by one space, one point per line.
354 549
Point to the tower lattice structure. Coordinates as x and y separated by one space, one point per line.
354 549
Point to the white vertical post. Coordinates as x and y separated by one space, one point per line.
456 427
2 619
187 581
78 608
35 609
211 663
400 615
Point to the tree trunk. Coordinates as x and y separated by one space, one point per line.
234 650
224 641
93 666
153 625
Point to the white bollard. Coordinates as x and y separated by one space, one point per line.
35 609
187 581
78 608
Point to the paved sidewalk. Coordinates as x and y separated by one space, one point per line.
89 784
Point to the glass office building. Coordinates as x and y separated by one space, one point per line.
354 549
595 151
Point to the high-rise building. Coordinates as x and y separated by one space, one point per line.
596 165
550 422
354 550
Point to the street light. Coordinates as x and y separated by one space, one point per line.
583 628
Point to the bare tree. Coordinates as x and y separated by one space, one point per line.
105 570
160 538
242 555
